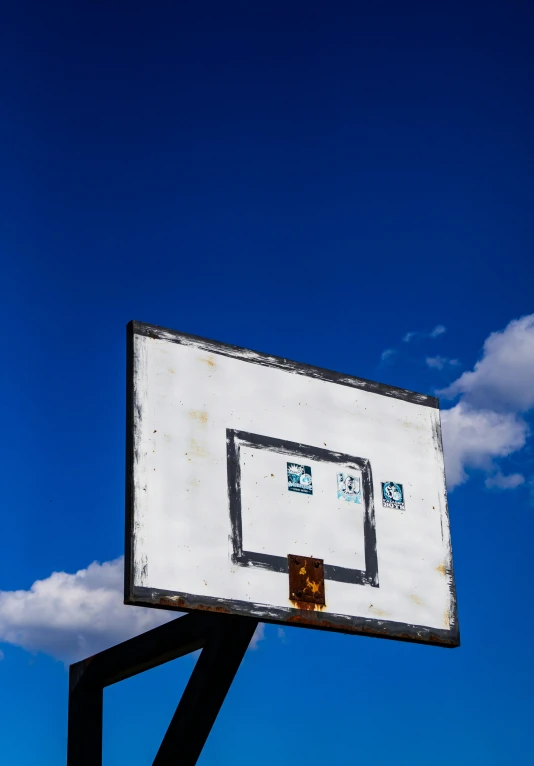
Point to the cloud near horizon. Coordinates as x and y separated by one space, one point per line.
487 423
72 616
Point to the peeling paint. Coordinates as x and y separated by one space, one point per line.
160 333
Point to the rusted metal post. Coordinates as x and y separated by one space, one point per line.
223 639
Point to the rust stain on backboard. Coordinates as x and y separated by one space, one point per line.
173 602
306 582
209 360
442 569
181 603
196 449
199 415
308 615
416 599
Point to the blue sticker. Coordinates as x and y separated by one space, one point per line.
299 478
392 495
349 488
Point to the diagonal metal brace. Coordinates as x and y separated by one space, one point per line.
223 639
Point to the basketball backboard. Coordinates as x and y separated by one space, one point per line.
264 487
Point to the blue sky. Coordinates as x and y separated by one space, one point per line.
329 182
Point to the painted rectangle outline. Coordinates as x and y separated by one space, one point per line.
241 557
185 602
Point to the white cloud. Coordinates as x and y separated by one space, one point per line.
475 438
503 378
499 481
72 616
387 354
487 423
439 362
438 330
259 635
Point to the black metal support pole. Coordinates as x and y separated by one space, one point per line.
85 721
223 639
205 693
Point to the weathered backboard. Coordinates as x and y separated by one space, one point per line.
265 487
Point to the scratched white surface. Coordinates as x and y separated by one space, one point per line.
186 398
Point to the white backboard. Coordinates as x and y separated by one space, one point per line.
238 460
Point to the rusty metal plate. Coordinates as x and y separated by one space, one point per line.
306 580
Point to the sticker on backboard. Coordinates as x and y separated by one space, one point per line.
349 488
392 495
299 478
